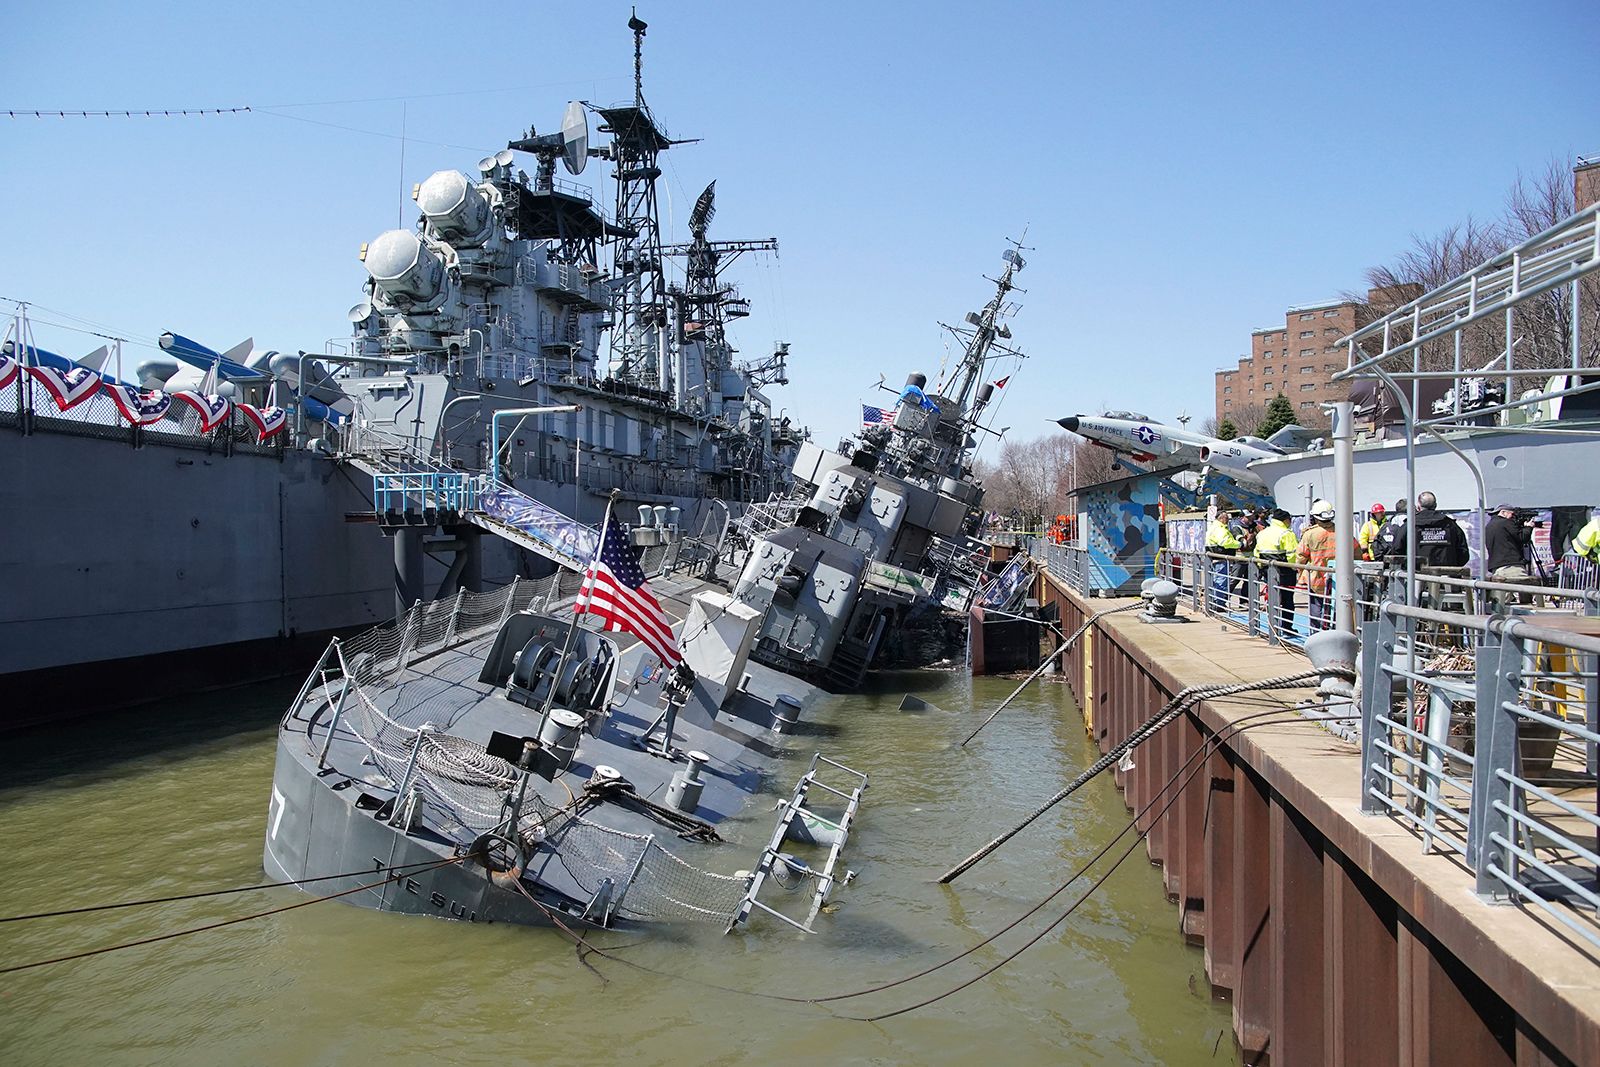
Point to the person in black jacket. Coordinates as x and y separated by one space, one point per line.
1507 542
1391 540
1440 540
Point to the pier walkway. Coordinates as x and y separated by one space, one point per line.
1337 937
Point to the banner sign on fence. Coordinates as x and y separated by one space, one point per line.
69 388
213 409
1004 588
268 421
140 408
561 532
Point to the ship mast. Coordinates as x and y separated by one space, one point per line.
639 341
984 331
705 302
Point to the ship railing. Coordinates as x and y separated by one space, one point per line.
424 491
1070 563
959 565
1283 603
32 410
776 513
381 703
1491 759
390 452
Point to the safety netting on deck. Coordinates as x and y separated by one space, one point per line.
459 790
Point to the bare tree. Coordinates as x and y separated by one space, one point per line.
1246 417
1545 322
1030 482
1541 327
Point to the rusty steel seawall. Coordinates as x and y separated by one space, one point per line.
1336 940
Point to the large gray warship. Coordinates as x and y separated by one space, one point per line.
490 758
187 555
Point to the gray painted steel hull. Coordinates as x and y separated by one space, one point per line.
1519 467
314 831
139 573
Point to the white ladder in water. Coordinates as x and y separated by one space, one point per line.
788 811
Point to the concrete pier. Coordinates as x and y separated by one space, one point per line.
1337 939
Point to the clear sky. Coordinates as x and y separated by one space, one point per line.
1185 171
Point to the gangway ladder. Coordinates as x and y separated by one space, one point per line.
794 808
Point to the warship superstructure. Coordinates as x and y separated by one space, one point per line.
512 291
883 534
493 759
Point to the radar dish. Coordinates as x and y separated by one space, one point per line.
575 138
705 209
360 313
504 157
486 164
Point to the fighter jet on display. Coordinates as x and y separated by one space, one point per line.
1159 446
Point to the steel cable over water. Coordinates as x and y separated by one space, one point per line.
219 925
406 867
1066 644
1171 710
1287 717
1186 772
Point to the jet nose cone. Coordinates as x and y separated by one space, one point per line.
1070 423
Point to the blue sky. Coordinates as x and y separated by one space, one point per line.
1185 171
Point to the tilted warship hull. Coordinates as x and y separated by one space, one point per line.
467 762
469 777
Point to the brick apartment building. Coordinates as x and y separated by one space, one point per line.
1296 359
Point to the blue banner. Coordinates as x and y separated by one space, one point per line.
564 534
1004 588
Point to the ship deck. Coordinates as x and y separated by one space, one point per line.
443 691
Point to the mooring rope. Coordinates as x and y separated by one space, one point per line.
218 925
1285 716
1171 710
1187 773
1090 621
405 867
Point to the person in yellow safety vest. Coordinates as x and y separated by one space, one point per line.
1369 531
1587 543
1277 544
1220 541
1586 546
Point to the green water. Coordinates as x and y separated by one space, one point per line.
173 799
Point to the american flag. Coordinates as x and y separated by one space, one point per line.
614 589
871 416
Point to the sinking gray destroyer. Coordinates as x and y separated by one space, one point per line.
489 760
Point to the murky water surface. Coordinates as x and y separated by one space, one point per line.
173 799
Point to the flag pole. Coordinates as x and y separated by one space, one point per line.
572 631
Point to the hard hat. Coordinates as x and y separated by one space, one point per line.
1377 509
1321 510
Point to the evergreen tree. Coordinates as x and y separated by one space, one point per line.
1280 413
1227 430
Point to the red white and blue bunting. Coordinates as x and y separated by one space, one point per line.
9 369
142 408
213 409
68 388
268 421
